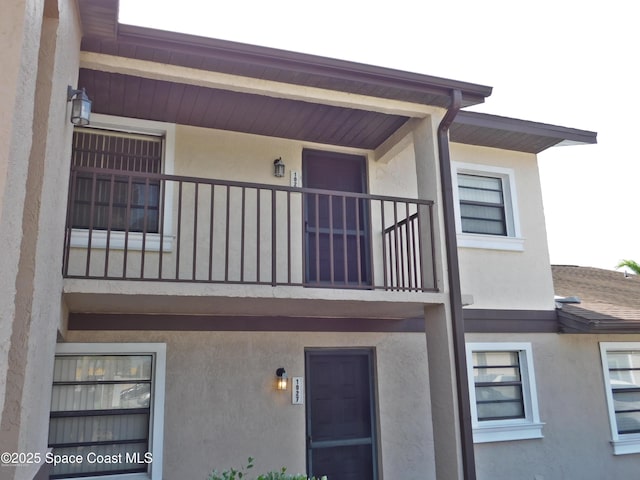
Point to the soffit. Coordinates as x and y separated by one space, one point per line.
135 97
481 129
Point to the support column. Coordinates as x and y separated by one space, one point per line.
445 417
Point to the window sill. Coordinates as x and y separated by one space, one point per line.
490 242
507 433
626 446
134 241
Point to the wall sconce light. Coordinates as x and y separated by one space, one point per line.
80 106
278 167
281 379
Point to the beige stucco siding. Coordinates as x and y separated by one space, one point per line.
40 58
221 405
509 279
571 398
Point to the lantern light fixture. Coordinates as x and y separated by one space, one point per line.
278 167
80 106
281 379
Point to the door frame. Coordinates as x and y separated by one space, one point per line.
369 352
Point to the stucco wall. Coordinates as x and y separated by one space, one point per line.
19 33
571 398
45 39
221 405
510 279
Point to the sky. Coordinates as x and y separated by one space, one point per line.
571 63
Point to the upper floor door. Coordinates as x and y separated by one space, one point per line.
337 233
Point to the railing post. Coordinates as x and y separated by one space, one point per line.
274 240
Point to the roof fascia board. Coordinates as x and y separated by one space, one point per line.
300 62
209 79
510 321
562 134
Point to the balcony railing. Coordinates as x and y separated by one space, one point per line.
153 227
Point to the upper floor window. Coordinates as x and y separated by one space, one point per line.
123 197
482 208
502 390
486 207
621 368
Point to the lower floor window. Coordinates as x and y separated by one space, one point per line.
106 409
498 385
621 368
503 392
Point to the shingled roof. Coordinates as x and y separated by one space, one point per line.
609 300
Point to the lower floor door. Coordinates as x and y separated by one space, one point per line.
341 440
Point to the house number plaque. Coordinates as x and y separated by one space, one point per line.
297 391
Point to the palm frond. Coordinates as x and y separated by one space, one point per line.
631 265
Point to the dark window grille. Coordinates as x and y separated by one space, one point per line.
117 203
498 385
624 377
482 205
101 406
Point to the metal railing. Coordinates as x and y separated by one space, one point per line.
155 227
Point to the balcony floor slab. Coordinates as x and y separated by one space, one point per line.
114 296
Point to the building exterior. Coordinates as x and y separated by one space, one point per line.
234 211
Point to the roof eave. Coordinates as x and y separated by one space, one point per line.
571 323
473 94
516 125
482 129
100 21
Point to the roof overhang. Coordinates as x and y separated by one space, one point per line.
180 100
574 319
481 129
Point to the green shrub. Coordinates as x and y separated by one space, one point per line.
233 474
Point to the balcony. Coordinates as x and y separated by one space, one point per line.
164 228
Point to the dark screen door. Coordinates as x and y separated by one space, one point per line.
340 412
336 225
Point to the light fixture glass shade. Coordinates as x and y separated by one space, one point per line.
281 379
80 110
278 167
80 106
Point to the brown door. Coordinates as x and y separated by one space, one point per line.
336 225
340 414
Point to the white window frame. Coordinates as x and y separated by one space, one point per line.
513 241
156 437
623 444
135 240
510 429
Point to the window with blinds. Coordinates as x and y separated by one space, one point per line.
101 406
502 390
624 379
111 190
482 204
498 385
